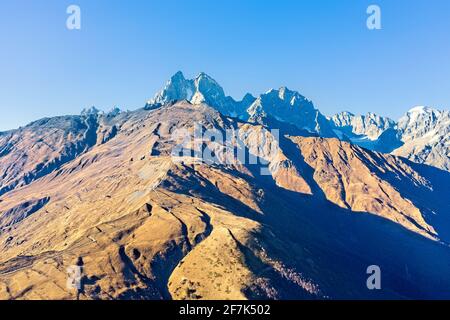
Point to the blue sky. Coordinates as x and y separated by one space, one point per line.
126 50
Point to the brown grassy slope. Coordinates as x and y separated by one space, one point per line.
345 174
43 146
217 231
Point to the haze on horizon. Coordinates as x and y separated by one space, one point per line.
125 52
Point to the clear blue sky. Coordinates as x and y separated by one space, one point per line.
126 50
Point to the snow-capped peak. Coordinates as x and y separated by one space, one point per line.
421 109
201 89
357 127
290 106
418 113
420 120
177 88
204 77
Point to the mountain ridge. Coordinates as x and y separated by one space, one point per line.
421 135
148 227
291 107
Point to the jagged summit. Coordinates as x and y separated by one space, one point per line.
354 126
177 88
422 134
421 119
201 89
290 106
425 135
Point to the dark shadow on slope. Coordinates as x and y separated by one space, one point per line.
334 246
21 212
206 219
340 244
131 275
434 202
430 196
292 151
274 286
162 265
388 141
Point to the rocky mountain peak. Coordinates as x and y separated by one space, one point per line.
420 120
369 126
90 111
202 89
291 107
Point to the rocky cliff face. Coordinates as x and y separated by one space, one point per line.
370 125
290 107
425 133
202 89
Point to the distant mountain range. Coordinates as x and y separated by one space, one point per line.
421 135
325 199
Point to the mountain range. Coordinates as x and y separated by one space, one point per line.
325 198
421 135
